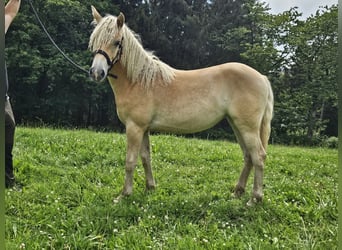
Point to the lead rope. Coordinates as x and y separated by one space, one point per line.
53 42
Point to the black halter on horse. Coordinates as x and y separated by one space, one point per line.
114 60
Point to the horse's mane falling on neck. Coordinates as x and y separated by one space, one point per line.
142 67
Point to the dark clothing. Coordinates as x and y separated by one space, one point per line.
6 82
9 123
9 139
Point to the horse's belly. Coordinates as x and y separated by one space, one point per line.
185 122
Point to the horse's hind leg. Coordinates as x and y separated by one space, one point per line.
257 155
258 159
254 155
248 165
241 185
146 161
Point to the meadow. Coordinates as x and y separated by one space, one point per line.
70 177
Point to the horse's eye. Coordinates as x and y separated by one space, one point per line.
116 43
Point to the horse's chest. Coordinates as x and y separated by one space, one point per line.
133 111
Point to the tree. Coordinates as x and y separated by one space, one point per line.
309 92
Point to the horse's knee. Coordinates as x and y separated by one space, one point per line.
130 164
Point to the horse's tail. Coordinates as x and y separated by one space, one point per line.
265 129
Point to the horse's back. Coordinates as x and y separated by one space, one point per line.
233 75
227 84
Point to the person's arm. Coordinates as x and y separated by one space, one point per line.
11 10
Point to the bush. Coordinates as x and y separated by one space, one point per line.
331 142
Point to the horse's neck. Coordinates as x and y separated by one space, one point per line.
121 83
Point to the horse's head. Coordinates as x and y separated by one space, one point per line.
106 44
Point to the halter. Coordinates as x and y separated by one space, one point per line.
111 63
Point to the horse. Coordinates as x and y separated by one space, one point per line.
152 96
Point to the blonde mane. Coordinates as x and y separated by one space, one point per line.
142 66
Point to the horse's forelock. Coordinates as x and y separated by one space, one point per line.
103 33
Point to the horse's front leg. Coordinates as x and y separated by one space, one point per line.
134 139
145 153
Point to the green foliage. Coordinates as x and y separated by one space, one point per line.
70 178
50 90
307 93
331 142
299 57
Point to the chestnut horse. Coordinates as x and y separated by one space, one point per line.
152 96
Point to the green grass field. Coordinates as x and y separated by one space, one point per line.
70 178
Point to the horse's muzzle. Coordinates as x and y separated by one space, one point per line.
97 75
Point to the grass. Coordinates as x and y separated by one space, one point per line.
70 178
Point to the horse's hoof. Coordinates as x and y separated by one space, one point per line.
118 199
239 191
124 193
149 189
253 201
250 203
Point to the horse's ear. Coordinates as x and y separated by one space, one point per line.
120 20
96 15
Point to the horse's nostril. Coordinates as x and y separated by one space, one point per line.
91 71
102 74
